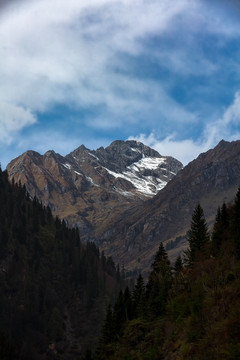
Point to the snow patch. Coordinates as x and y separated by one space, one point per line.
136 150
148 163
91 181
147 185
67 166
93 155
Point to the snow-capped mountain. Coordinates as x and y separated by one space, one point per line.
87 186
129 168
211 179
147 185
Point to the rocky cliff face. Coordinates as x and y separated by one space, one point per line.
90 188
211 179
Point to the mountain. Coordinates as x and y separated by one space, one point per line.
211 179
87 188
53 287
121 218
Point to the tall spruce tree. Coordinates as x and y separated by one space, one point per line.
178 266
198 236
139 294
235 223
159 283
107 333
217 232
220 228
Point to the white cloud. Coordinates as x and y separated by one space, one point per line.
186 150
223 127
183 150
13 118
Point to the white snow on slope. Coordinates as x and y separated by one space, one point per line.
93 155
91 181
67 166
147 185
147 163
78 173
136 150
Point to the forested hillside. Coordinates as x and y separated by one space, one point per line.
53 288
190 311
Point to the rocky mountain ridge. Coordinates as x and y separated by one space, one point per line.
103 192
89 187
211 179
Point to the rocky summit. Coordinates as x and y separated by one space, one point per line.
211 179
88 188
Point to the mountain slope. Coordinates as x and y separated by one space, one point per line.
210 179
87 188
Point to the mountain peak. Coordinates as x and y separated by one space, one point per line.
131 147
223 142
86 185
50 153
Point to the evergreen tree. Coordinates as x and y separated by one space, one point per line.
128 305
107 332
139 294
198 236
159 283
225 216
178 266
161 258
217 232
220 228
88 355
119 316
235 223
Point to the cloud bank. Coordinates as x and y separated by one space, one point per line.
67 52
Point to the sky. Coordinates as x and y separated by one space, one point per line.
166 73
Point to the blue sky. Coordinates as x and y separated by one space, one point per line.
93 71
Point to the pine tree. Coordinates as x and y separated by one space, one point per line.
161 258
235 224
225 216
178 266
139 294
217 232
128 304
198 236
107 332
220 228
119 315
159 283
